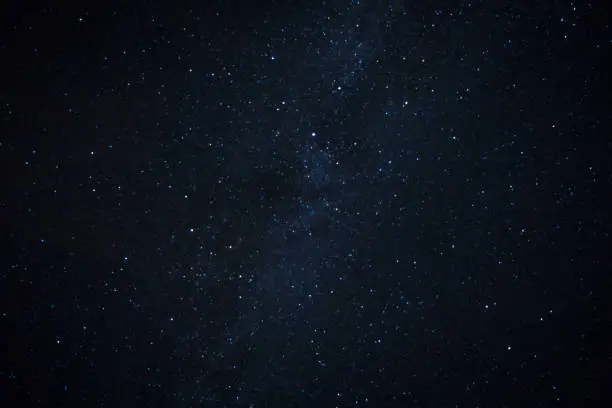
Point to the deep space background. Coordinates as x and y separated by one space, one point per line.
305 203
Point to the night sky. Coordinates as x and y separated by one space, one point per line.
305 204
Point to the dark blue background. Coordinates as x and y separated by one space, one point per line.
341 203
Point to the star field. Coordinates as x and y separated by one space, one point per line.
286 204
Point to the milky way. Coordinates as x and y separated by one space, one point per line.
305 203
